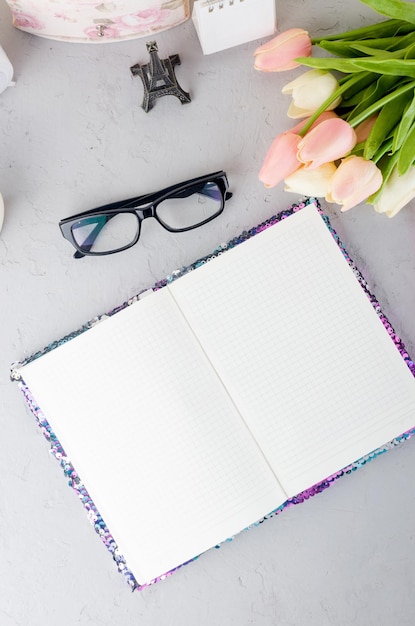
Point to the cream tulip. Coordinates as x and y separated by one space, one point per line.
309 91
353 182
396 193
308 182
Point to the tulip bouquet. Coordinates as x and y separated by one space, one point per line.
356 139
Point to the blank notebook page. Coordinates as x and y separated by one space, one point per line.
300 349
154 436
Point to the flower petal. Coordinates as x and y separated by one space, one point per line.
329 141
312 89
281 159
397 192
309 182
327 115
363 129
294 112
353 182
278 54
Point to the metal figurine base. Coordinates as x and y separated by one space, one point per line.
159 78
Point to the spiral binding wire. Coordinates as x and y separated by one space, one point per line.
221 3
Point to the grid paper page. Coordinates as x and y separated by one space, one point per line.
300 349
154 436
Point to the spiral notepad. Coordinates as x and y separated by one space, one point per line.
222 24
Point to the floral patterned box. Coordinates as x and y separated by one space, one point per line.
93 21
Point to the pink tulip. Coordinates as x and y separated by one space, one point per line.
281 159
327 115
363 129
278 54
353 182
329 141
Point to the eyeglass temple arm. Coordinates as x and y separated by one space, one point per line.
151 197
185 193
91 238
132 203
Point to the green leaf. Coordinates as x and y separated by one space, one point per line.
350 48
339 48
373 93
410 52
384 149
388 28
407 152
396 9
388 118
396 42
346 66
358 149
405 124
393 67
376 106
353 93
367 97
378 52
389 43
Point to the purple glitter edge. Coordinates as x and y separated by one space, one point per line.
74 480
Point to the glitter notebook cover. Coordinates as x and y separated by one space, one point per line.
75 481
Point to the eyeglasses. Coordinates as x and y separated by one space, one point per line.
116 227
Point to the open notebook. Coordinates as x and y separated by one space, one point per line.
234 390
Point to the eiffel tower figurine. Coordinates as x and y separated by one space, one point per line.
159 78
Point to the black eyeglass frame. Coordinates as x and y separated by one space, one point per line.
146 206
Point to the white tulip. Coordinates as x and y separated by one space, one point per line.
309 91
396 193
311 182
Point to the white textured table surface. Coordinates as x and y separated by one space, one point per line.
73 136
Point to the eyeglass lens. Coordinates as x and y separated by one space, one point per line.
106 232
190 207
187 208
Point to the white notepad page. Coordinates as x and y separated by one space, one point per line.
153 435
222 24
300 349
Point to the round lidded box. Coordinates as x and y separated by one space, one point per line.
92 21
